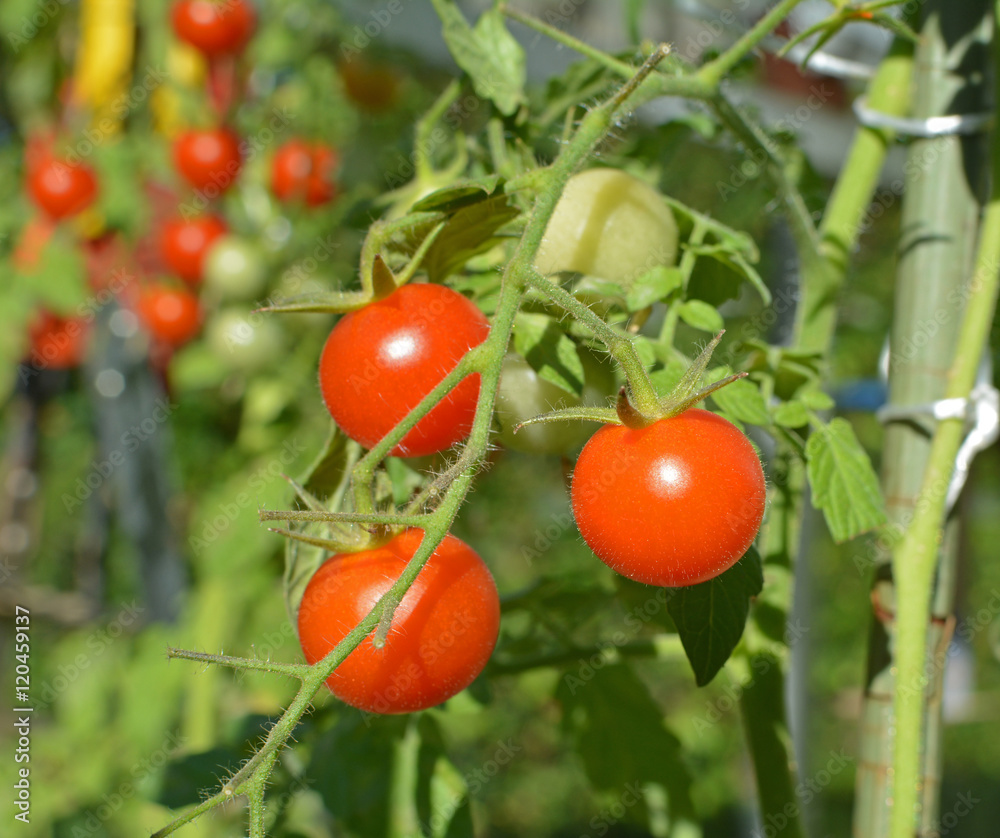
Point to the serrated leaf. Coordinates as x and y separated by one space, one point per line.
791 414
552 354
843 482
620 734
488 53
701 315
652 286
743 401
469 232
710 617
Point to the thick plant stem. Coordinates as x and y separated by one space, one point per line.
915 561
844 219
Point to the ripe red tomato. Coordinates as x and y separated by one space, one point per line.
301 171
208 158
442 634
675 503
57 343
184 244
212 26
62 189
173 315
379 362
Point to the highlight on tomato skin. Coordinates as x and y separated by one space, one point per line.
673 504
442 634
379 362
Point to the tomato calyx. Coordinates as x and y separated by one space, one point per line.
686 394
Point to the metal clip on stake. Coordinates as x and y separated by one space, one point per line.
933 126
981 410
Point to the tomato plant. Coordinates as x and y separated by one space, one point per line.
208 158
172 315
301 171
442 634
379 362
62 189
611 225
674 503
524 394
216 27
184 244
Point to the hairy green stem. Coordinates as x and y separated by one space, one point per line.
712 73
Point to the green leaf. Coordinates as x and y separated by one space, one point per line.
843 482
653 286
742 400
620 733
462 194
816 399
349 769
792 414
488 53
552 354
442 796
701 315
469 232
710 617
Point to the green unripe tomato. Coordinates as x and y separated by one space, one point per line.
610 225
244 340
235 269
524 394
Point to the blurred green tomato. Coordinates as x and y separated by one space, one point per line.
610 225
524 394
235 269
243 340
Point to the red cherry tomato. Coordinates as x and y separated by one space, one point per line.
442 634
172 315
672 504
379 362
301 171
62 189
185 243
57 343
208 159
215 27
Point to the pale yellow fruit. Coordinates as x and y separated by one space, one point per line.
610 225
